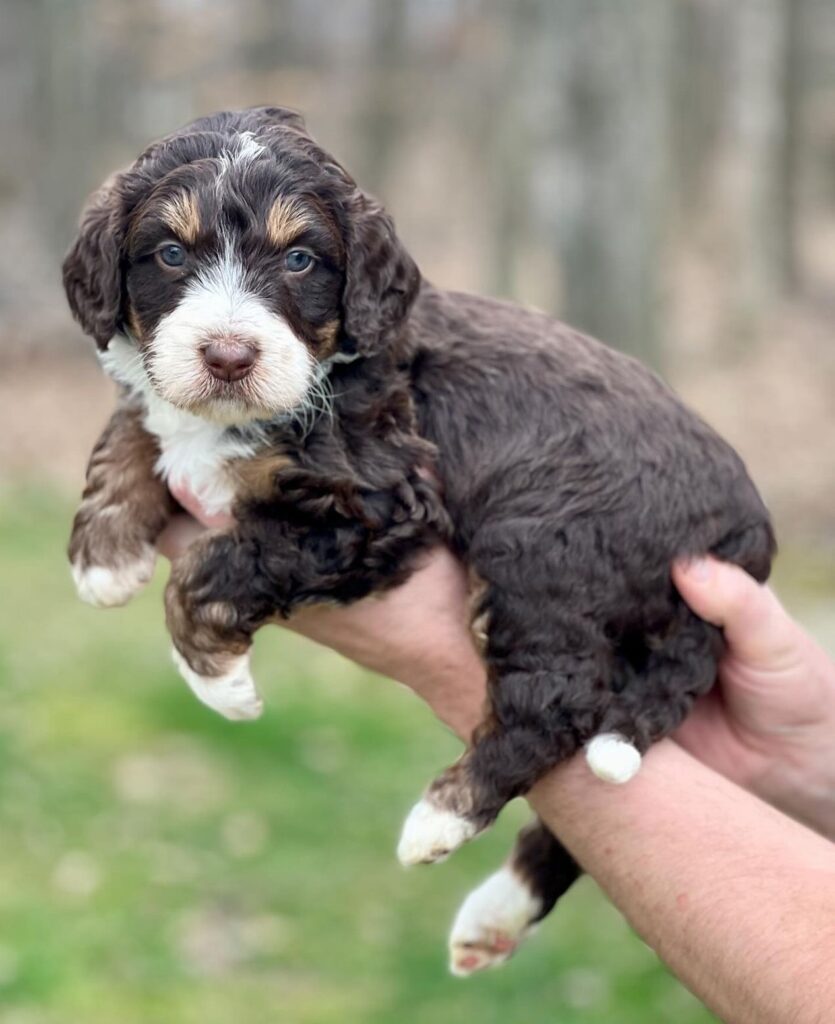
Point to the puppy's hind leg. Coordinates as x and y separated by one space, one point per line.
654 697
656 680
508 906
539 718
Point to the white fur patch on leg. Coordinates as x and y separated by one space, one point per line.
613 758
491 923
430 834
232 694
108 587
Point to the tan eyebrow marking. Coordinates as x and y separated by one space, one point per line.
182 216
285 221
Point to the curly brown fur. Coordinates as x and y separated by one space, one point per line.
565 476
124 508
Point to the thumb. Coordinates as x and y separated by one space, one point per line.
758 631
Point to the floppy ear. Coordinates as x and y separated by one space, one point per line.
92 267
381 278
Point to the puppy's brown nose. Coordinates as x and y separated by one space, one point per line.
229 359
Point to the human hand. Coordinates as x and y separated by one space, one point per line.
417 633
769 724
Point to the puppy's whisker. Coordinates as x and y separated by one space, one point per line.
317 402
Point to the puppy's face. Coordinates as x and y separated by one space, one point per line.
233 284
239 258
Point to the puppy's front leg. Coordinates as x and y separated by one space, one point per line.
124 508
230 582
213 605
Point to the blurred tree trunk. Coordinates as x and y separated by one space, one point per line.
703 47
763 118
511 144
381 111
795 87
598 96
64 108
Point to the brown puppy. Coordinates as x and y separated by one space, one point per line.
280 355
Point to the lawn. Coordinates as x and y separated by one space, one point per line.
163 866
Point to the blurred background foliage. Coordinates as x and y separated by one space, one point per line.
658 172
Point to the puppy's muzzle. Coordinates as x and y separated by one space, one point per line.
229 358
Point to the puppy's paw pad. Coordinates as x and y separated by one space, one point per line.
613 758
491 923
492 950
232 694
109 587
430 834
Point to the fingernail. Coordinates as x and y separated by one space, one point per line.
699 569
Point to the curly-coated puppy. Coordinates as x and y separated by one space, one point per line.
280 355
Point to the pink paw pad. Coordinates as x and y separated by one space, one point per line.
502 944
468 963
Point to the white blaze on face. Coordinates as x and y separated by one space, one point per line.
245 149
217 303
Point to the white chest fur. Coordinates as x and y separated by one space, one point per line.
194 453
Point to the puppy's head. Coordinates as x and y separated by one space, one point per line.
238 257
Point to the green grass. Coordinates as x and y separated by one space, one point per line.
160 865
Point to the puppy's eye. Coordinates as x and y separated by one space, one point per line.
298 260
172 255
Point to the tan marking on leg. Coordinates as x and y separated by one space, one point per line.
182 216
217 615
125 505
285 221
204 632
452 789
257 476
124 508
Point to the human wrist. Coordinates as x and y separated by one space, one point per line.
439 663
724 888
795 770
802 785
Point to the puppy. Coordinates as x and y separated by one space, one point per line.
279 354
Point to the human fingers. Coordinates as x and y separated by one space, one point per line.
759 632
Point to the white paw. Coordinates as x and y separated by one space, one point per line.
613 758
491 923
232 694
108 587
430 834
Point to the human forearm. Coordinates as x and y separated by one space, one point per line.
438 661
736 898
739 900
